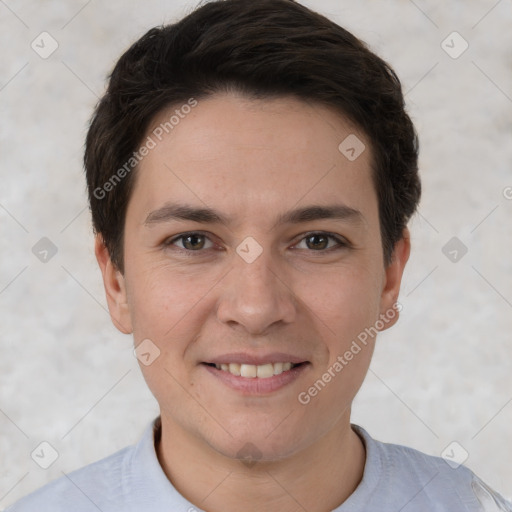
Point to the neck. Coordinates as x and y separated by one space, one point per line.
321 477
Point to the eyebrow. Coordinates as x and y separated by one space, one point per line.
172 211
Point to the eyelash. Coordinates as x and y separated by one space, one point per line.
342 244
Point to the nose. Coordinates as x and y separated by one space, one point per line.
256 296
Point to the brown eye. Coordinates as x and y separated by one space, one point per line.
192 242
319 242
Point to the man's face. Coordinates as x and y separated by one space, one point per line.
265 285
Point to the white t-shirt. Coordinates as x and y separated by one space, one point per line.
395 479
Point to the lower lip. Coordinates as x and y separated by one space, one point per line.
257 385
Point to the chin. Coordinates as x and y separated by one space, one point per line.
257 444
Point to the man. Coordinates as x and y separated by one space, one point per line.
251 172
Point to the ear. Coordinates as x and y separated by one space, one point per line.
115 288
393 278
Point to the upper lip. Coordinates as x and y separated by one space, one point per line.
260 359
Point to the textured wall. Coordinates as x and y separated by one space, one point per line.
442 374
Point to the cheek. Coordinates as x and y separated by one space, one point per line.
163 301
169 309
348 307
346 300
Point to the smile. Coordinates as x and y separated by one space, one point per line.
256 379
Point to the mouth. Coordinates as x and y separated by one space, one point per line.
253 371
263 378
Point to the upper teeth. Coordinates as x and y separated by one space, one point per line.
263 371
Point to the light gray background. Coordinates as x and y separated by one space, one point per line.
442 374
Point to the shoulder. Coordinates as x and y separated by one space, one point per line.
412 480
83 490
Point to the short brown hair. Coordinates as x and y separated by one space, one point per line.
263 49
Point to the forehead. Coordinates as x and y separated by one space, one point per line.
249 157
